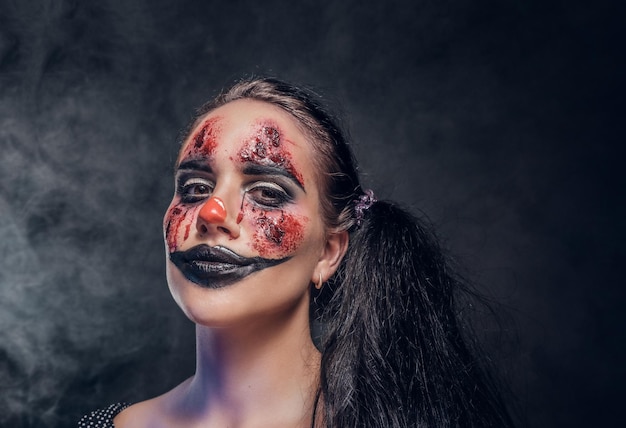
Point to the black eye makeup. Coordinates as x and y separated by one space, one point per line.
265 186
255 169
268 194
193 189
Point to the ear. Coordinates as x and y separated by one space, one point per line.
331 256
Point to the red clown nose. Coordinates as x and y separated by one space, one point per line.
213 211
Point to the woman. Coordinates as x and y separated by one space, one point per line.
268 233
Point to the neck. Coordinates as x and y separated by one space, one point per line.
259 370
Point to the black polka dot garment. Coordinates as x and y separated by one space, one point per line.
102 418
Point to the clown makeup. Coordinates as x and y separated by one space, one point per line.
240 204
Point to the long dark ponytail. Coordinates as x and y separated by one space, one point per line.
393 352
395 355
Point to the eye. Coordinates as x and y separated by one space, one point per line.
269 195
195 189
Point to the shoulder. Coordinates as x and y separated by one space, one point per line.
102 418
140 414
149 413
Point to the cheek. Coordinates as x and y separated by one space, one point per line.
276 234
177 225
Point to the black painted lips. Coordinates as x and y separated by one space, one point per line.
216 267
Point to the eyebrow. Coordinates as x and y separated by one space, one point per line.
196 164
257 169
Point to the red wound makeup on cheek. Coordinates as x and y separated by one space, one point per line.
278 234
204 140
267 147
174 220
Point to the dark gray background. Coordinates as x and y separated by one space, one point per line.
501 120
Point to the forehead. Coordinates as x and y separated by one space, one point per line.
239 120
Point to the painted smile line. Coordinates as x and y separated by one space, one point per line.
216 267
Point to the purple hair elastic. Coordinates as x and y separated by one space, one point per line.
362 204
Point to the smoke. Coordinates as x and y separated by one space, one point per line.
83 187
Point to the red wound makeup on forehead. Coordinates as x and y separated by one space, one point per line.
204 140
266 147
278 234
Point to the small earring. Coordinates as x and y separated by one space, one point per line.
320 283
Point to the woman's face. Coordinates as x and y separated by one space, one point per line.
244 234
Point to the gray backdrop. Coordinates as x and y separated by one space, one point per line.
501 120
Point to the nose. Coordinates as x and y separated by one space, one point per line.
213 215
213 211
